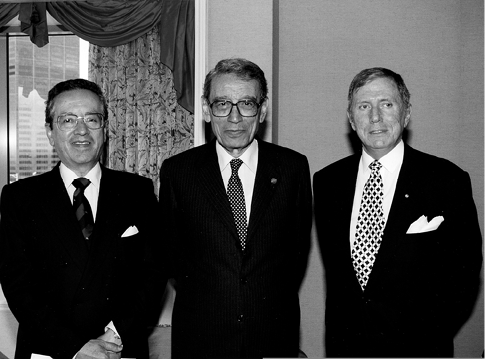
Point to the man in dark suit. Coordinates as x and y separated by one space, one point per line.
238 264
399 235
78 286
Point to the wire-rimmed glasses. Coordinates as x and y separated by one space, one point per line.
68 121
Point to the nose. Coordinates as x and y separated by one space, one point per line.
81 127
375 115
234 115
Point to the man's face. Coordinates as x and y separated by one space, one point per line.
79 149
234 132
379 116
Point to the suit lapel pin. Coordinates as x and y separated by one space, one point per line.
274 181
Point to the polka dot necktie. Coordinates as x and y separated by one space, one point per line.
235 194
82 208
370 225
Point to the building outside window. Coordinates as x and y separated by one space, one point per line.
32 72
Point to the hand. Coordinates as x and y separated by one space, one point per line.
99 349
110 336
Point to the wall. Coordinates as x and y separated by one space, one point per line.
436 45
311 49
242 29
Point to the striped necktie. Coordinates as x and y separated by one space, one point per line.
82 208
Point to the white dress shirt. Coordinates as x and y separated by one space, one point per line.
91 192
391 166
247 171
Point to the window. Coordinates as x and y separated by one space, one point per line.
32 72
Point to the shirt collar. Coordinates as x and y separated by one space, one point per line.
249 157
94 175
391 161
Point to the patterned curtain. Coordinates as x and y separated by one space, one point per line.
146 124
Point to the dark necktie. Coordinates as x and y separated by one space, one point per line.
235 194
82 208
370 225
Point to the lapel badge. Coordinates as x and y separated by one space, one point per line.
274 181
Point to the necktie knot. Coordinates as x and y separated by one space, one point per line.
81 183
235 164
375 166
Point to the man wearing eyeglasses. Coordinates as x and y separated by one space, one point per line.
237 212
75 242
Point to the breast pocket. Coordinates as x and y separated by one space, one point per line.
417 260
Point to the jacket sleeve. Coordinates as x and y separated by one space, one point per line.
22 286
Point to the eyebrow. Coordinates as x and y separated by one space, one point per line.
226 98
388 99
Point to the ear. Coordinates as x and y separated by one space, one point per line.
351 120
206 112
408 116
48 132
264 110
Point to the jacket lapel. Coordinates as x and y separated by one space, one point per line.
266 181
110 207
403 211
212 186
347 181
58 210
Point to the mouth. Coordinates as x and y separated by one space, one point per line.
377 132
234 132
81 143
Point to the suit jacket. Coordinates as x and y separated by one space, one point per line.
63 294
231 303
422 286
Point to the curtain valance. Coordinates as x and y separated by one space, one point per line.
116 22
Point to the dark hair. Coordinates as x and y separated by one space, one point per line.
242 68
69 85
367 75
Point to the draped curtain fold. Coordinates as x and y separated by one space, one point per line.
8 12
146 124
116 22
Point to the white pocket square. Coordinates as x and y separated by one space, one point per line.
130 231
422 225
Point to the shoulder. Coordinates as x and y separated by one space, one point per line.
125 179
281 153
428 163
34 183
344 165
191 155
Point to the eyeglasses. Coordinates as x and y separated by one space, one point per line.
68 121
246 108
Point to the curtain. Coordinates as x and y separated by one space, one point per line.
8 12
117 22
146 124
